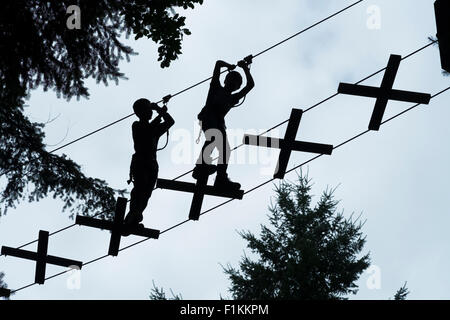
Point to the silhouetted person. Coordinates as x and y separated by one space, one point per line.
144 165
219 102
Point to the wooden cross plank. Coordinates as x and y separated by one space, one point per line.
199 190
30 255
41 257
276 143
442 12
5 293
197 198
384 93
386 85
116 235
372 92
117 227
192 187
108 225
289 137
288 144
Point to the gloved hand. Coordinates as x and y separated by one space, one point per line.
163 109
231 67
245 62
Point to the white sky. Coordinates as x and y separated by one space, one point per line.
397 177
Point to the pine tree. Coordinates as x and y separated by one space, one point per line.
2 283
160 294
401 293
37 49
307 253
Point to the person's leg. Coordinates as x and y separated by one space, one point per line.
222 180
204 162
144 181
149 187
205 155
136 201
224 154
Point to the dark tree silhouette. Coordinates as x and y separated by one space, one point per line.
2 283
401 293
307 253
160 294
37 49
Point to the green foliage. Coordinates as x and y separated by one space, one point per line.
38 50
401 293
25 162
162 24
308 253
2 283
159 294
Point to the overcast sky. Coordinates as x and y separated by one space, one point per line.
397 178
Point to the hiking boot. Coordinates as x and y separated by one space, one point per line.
128 228
133 219
223 182
203 169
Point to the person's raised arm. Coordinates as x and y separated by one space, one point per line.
250 82
217 70
168 121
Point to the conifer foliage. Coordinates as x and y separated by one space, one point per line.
306 253
38 49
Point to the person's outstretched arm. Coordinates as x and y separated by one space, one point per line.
250 82
217 69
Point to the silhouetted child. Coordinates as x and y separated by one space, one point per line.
144 165
219 102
